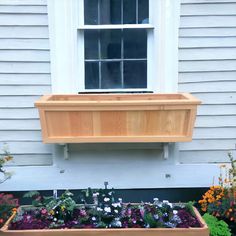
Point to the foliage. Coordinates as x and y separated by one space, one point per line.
6 157
100 209
216 227
7 204
220 201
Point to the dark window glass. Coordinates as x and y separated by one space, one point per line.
135 74
91 75
90 12
143 11
91 44
129 11
110 44
110 12
111 75
135 43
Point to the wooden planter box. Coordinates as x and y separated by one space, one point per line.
117 118
203 231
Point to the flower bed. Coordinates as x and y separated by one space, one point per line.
105 216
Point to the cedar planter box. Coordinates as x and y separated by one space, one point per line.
203 231
117 118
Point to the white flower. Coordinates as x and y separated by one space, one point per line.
55 219
165 201
106 199
155 199
170 204
99 209
107 209
93 218
156 217
116 205
120 200
116 211
175 212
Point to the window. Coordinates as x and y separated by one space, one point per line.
114 45
115 36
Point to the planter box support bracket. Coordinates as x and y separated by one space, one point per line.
166 151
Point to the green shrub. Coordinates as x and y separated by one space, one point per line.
216 227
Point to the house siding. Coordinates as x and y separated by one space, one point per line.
24 77
207 69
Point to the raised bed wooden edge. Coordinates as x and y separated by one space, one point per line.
202 231
113 118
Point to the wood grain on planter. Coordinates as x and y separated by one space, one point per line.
117 118
203 231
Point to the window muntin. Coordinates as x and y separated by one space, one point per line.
115 58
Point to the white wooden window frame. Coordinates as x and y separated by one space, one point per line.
67 46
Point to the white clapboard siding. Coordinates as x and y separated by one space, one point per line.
25 32
207 66
215 133
24 55
24 67
206 76
24 77
24 90
35 44
208 53
12 9
208 32
222 86
31 160
20 135
220 156
208 9
213 110
24 2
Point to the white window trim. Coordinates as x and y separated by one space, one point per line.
64 47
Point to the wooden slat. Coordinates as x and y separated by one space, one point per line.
17 101
214 133
25 90
24 67
12 9
208 9
20 135
34 44
19 125
193 157
24 32
23 2
193 77
204 145
31 160
25 79
222 86
214 65
206 32
28 147
23 19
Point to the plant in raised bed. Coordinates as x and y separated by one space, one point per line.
101 211
220 200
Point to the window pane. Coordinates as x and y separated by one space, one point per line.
135 43
91 44
111 75
91 75
90 12
110 12
143 12
135 74
129 11
111 44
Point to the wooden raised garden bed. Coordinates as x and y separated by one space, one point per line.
117 118
201 231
